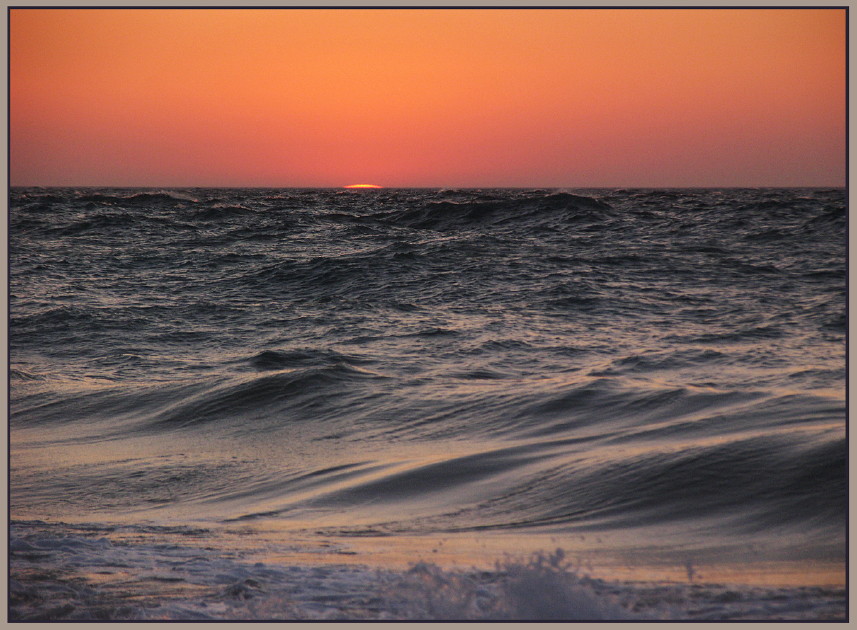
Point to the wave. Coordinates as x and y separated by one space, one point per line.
450 215
61 572
95 224
349 275
307 393
268 360
220 211
293 385
58 318
119 223
555 485
833 220
655 361
24 375
138 198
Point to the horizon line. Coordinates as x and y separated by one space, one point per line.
437 187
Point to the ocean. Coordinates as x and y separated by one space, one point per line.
427 404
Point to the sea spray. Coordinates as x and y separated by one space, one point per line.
77 573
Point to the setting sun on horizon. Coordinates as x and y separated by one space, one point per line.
363 186
428 97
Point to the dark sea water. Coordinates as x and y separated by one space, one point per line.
648 378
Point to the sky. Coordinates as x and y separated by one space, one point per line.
427 98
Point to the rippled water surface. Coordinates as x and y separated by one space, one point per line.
662 371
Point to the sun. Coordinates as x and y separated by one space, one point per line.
362 186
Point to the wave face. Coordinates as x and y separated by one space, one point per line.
660 364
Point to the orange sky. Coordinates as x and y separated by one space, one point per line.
329 97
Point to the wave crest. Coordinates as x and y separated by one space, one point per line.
448 215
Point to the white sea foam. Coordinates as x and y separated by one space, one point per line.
65 573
